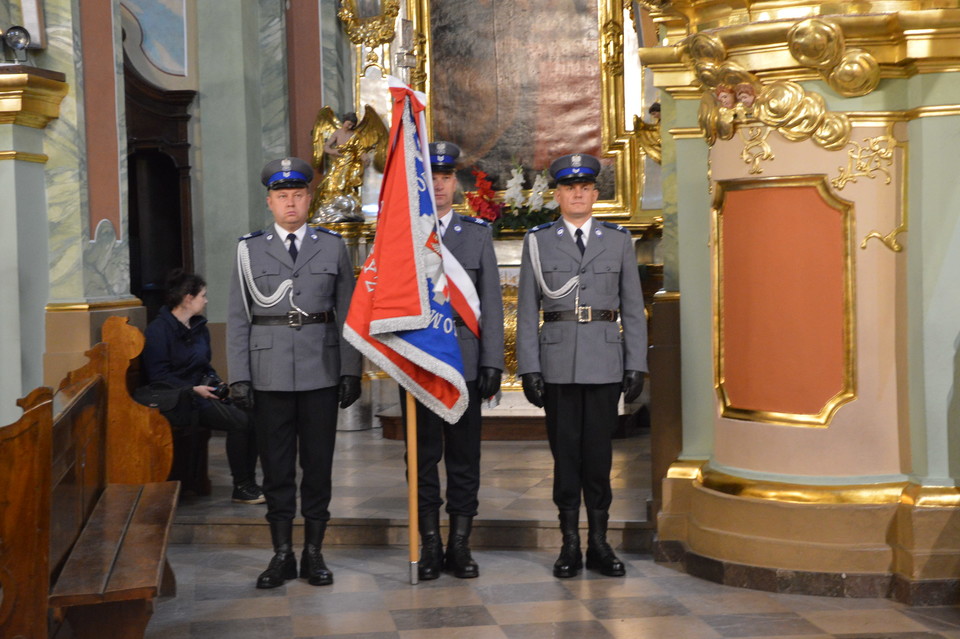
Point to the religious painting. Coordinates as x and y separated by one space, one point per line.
515 82
518 83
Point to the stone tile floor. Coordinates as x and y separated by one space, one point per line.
515 596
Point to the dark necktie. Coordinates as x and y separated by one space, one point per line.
440 224
293 246
579 236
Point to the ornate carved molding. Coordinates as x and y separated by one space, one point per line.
820 44
737 96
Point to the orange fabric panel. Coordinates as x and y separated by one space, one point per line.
782 308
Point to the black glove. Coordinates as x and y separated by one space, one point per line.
632 385
242 395
533 388
349 390
488 383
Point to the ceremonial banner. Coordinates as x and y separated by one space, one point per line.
401 315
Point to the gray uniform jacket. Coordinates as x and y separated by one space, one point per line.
471 242
569 352
281 358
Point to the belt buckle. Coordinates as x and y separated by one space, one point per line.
584 314
295 319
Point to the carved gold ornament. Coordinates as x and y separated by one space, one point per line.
648 136
370 32
820 44
736 96
755 147
869 160
857 74
866 160
816 43
612 35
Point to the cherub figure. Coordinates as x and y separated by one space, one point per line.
725 95
746 94
349 148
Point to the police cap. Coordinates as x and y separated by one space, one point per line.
443 156
286 173
576 167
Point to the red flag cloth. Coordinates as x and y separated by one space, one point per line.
401 315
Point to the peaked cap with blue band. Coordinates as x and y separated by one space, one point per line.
576 167
443 156
286 173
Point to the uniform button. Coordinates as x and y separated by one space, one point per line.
583 286
296 275
583 270
297 293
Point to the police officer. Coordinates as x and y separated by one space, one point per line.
288 362
583 274
471 242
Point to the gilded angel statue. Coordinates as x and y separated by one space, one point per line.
349 147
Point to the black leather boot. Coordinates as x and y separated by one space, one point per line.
431 547
283 565
312 566
570 561
600 555
457 558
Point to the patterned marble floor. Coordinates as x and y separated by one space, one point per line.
515 596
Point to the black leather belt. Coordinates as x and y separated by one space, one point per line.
583 314
296 319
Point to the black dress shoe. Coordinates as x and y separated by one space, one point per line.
313 568
283 566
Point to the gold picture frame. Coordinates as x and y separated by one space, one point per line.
617 143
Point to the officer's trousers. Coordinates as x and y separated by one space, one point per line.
459 446
581 419
286 422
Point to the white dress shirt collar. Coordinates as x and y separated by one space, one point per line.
585 228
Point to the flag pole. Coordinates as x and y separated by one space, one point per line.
412 486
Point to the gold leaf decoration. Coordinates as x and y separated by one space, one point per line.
858 73
834 132
865 160
816 43
755 147
704 47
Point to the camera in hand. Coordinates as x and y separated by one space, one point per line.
220 388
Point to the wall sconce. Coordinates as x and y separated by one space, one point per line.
15 43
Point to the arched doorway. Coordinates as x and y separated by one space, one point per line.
158 173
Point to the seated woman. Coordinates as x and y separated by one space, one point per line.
177 352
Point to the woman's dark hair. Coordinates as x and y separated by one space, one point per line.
180 284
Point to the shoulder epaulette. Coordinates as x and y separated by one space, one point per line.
324 229
545 225
615 227
475 220
250 235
